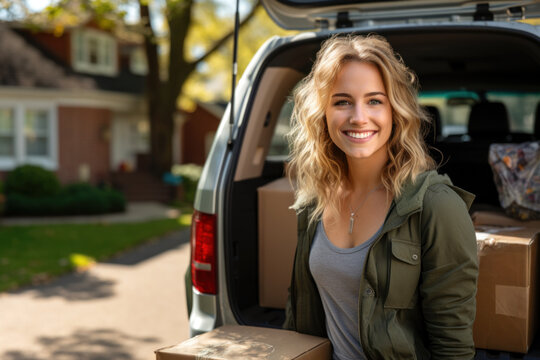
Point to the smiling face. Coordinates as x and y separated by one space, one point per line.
358 114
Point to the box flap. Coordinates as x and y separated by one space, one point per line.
494 228
280 185
499 219
249 342
492 236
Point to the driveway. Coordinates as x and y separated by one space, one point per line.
122 309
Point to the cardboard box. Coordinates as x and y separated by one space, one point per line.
248 342
277 242
500 219
506 309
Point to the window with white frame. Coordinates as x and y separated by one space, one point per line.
94 52
7 132
28 134
36 132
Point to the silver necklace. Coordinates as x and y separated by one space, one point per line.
353 213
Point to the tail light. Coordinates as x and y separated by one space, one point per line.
203 252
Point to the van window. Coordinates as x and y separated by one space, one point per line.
521 108
279 147
455 107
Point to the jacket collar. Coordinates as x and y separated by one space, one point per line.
412 197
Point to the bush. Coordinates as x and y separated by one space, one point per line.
84 199
87 199
73 199
190 174
31 180
17 204
76 188
2 198
116 200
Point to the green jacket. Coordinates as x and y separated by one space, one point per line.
418 295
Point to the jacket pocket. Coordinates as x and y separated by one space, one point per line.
405 268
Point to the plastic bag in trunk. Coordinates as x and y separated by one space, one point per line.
516 170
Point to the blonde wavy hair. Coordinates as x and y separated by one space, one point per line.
318 164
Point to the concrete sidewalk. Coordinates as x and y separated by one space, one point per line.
135 212
124 308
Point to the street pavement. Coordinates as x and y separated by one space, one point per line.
124 308
137 211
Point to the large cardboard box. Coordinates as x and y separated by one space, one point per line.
506 310
248 342
277 242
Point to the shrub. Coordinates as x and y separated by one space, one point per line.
73 199
84 199
2 198
76 188
31 180
116 200
106 199
18 204
190 174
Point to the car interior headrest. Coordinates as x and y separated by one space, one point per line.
435 116
435 128
488 119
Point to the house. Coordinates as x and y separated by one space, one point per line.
73 103
196 132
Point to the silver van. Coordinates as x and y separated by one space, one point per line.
468 55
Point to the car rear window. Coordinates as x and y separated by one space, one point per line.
455 106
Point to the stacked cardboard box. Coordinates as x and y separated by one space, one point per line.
248 342
507 285
507 295
277 242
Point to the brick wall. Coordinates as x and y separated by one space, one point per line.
198 124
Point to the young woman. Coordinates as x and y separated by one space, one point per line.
386 262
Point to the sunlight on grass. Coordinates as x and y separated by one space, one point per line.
35 254
185 219
81 261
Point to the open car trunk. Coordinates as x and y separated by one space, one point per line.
465 59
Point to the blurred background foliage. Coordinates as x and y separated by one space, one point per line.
31 190
188 47
211 81
210 20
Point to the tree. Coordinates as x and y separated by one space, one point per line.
163 91
12 9
175 54
211 81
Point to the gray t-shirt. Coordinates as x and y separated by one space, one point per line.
338 273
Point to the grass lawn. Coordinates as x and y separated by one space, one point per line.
35 253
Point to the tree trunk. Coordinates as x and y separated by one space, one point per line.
162 95
161 135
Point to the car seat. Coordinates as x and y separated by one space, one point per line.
488 121
467 161
433 130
